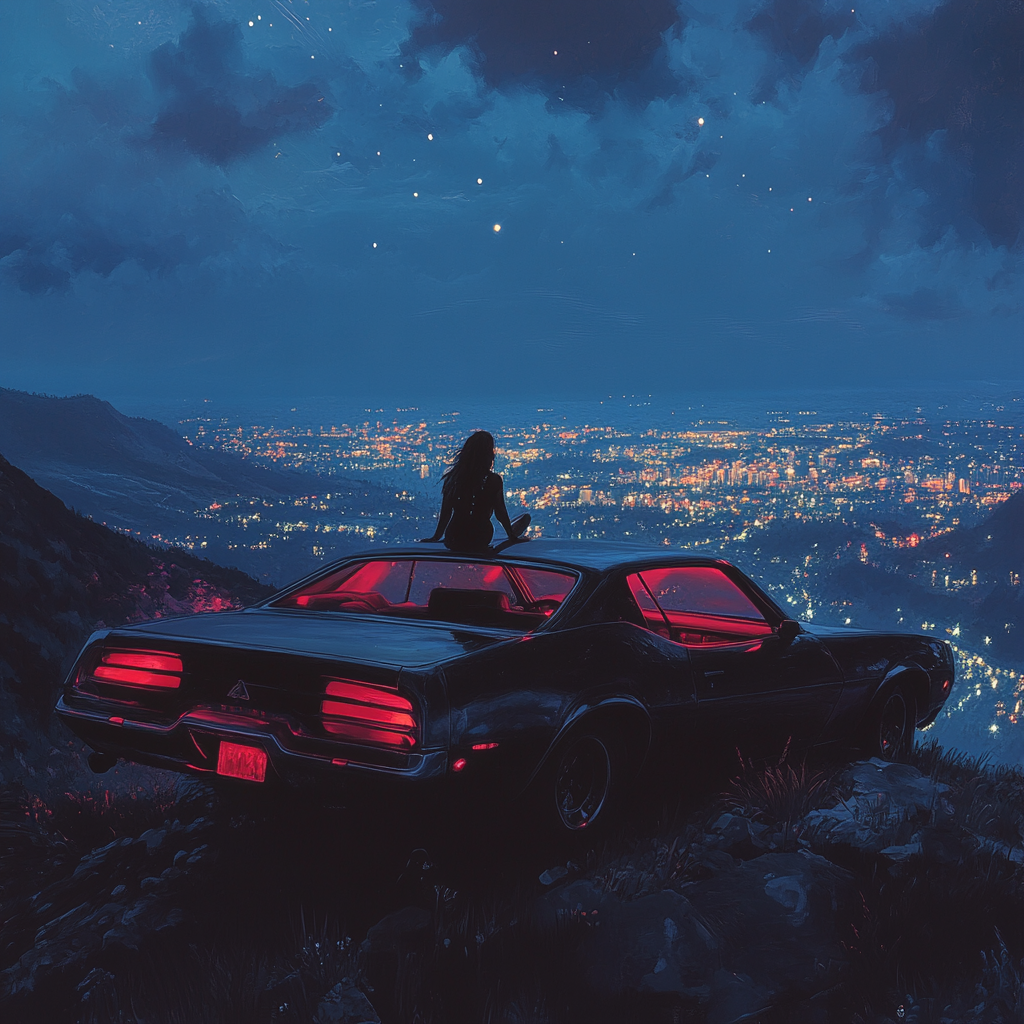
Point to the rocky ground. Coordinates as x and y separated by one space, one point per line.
869 892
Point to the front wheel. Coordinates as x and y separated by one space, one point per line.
892 733
582 783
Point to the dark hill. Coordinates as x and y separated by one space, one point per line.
130 471
139 475
61 576
995 546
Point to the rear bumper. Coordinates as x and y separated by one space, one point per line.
189 745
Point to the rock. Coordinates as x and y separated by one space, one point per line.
904 852
732 943
653 944
552 875
345 1004
735 997
153 838
884 795
738 836
790 891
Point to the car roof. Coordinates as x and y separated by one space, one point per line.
593 555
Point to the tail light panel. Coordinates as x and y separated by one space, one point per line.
131 667
369 715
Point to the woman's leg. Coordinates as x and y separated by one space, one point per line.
519 524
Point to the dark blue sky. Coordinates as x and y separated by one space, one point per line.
709 194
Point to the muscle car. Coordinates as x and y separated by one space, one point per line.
549 668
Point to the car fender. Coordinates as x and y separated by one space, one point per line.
620 715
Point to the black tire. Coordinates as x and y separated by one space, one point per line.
580 783
891 735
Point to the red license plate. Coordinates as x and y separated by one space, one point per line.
242 762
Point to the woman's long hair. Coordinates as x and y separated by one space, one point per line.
468 468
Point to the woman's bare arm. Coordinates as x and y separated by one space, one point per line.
500 511
442 520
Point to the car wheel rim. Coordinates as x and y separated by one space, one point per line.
582 782
892 728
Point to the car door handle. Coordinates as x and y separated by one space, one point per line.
715 672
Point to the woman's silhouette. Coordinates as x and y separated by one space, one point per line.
470 495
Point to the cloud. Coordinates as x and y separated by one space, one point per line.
576 51
793 31
86 185
955 81
217 109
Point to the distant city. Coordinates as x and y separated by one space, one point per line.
696 483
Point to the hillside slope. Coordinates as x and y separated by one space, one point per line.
61 576
139 475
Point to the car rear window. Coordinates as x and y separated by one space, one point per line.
442 590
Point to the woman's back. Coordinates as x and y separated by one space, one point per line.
473 504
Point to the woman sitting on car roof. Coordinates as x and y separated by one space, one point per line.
470 494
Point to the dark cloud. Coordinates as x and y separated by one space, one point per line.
956 81
45 253
88 192
793 31
218 109
577 51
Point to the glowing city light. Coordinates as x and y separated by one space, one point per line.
479 181
497 228
375 245
430 138
700 120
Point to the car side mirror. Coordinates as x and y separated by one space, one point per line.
788 630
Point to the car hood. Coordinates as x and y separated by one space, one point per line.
390 643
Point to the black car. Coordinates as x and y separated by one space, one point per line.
551 668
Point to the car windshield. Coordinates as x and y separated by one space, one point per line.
460 592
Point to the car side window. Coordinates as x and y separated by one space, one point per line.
699 605
653 617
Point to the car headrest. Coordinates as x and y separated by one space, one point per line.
453 601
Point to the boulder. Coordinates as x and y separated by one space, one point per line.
755 933
345 1004
884 797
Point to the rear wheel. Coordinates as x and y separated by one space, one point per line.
892 732
582 781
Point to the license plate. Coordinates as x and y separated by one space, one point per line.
241 762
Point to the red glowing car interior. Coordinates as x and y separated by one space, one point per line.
468 593
696 606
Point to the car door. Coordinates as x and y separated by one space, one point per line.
754 690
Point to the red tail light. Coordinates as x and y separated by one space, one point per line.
362 713
160 669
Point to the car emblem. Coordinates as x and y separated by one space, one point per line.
239 690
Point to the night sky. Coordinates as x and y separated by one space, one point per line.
304 198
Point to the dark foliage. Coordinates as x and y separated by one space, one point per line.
61 576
